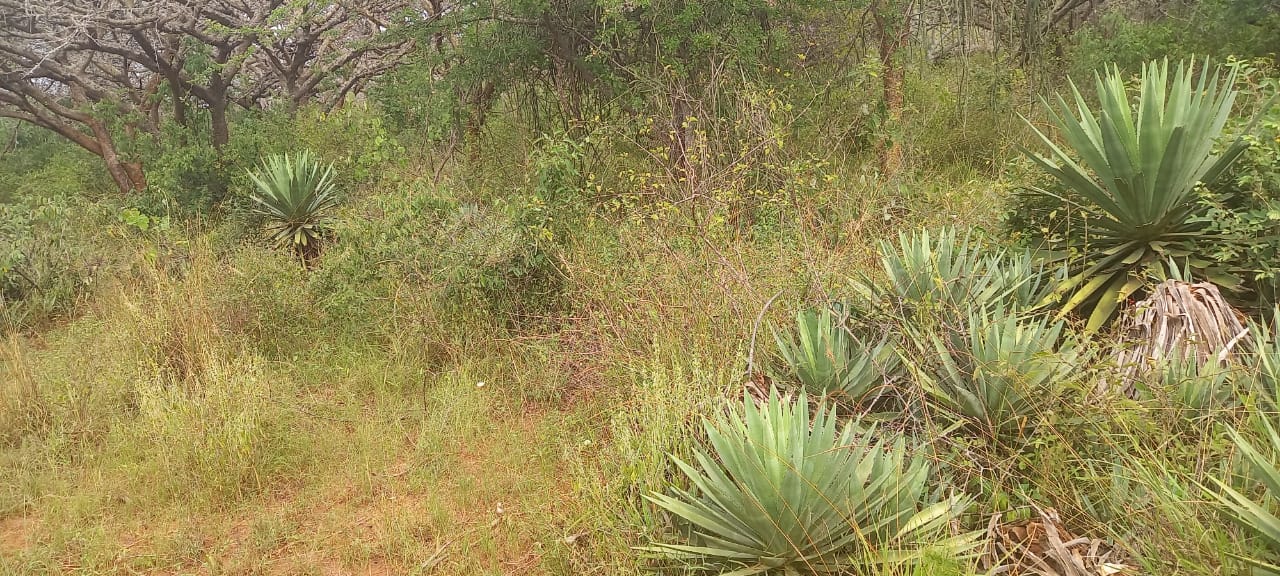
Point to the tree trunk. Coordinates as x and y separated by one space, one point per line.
893 26
218 115
128 176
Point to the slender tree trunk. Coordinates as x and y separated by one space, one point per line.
218 114
128 176
893 25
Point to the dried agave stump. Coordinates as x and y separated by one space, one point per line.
1042 545
1177 321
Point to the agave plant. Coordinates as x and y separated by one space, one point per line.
830 362
1192 390
1265 363
1003 374
953 274
786 493
294 194
1254 514
1136 178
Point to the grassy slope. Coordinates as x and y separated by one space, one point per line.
229 413
221 420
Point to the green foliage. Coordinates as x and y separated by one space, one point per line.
354 138
557 171
52 251
959 114
1140 164
786 493
497 257
1241 212
1003 377
295 194
1255 513
1214 28
1264 362
831 363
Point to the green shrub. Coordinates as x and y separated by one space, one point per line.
784 493
52 251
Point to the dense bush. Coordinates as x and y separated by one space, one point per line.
1216 28
52 250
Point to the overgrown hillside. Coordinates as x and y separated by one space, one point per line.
594 287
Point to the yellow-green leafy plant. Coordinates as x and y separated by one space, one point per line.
1133 168
830 362
295 194
786 489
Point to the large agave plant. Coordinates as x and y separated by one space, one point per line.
1001 375
830 362
1255 513
950 274
294 194
1138 167
786 493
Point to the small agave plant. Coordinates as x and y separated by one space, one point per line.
295 194
831 363
1001 375
946 274
784 492
1193 391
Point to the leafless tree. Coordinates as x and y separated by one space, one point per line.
94 70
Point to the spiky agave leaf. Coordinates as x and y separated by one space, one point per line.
830 362
781 492
1002 376
1264 363
1137 174
1254 515
294 194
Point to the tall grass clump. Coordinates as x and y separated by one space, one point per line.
215 440
1252 501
